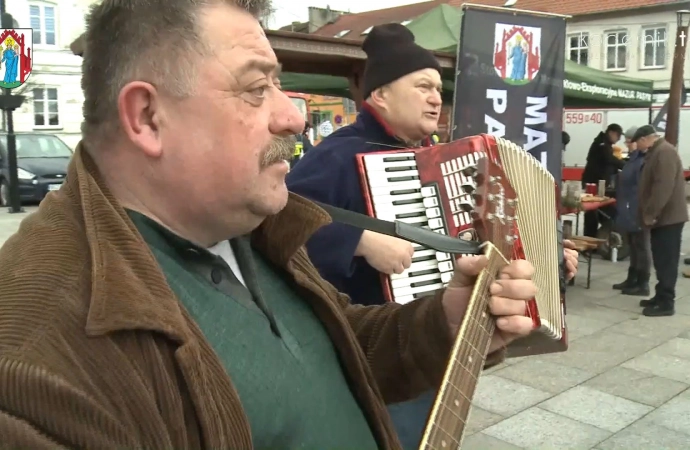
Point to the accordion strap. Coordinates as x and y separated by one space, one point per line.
402 230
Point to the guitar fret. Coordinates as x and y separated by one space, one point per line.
456 415
447 440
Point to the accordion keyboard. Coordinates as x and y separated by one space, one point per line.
397 194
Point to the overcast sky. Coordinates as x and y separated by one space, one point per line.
288 11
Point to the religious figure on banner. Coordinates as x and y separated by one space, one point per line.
518 57
10 58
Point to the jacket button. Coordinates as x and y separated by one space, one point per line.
216 275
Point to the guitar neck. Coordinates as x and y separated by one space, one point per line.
451 410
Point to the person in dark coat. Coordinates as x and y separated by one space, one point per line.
350 259
663 210
627 221
601 165
401 86
302 145
402 90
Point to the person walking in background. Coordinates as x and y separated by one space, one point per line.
565 139
302 144
601 164
663 210
628 223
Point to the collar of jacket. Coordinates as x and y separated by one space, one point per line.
635 154
382 132
655 145
128 290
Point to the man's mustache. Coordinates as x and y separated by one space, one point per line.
281 149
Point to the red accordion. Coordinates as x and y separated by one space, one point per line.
432 187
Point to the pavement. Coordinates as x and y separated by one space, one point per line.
624 383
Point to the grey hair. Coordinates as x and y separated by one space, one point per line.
144 40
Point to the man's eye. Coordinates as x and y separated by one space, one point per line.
259 92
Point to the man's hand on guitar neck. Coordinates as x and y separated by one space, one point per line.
509 295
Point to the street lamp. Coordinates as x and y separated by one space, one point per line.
677 80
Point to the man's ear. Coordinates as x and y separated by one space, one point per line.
378 97
140 116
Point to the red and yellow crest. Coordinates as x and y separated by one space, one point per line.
16 56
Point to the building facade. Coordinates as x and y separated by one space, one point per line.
53 93
633 43
633 38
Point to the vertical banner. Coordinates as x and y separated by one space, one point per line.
510 81
659 122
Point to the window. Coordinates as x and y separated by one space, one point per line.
578 48
46 111
42 19
341 33
301 104
365 32
654 48
405 22
318 117
39 146
616 50
349 106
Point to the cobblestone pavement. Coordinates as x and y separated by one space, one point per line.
623 383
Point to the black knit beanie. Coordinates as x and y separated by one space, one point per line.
391 54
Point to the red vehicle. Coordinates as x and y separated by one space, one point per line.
301 101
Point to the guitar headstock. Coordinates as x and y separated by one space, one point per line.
495 206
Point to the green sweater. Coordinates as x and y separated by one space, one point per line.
276 351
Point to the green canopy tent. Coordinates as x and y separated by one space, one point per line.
439 30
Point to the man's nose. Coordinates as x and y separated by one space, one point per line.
286 118
435 99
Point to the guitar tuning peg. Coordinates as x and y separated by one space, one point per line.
511 239
470 171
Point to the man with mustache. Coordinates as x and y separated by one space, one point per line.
163 299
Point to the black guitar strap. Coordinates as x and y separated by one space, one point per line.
411 233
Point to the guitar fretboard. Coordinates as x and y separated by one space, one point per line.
451 409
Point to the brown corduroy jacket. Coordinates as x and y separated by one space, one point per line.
96 352
662 187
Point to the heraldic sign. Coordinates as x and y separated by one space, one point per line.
15 56
517 53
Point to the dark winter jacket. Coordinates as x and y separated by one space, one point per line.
601 163
329 174
627 191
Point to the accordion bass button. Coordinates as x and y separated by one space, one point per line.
436 225
433 213
440 256
428 191
446 266
430 202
